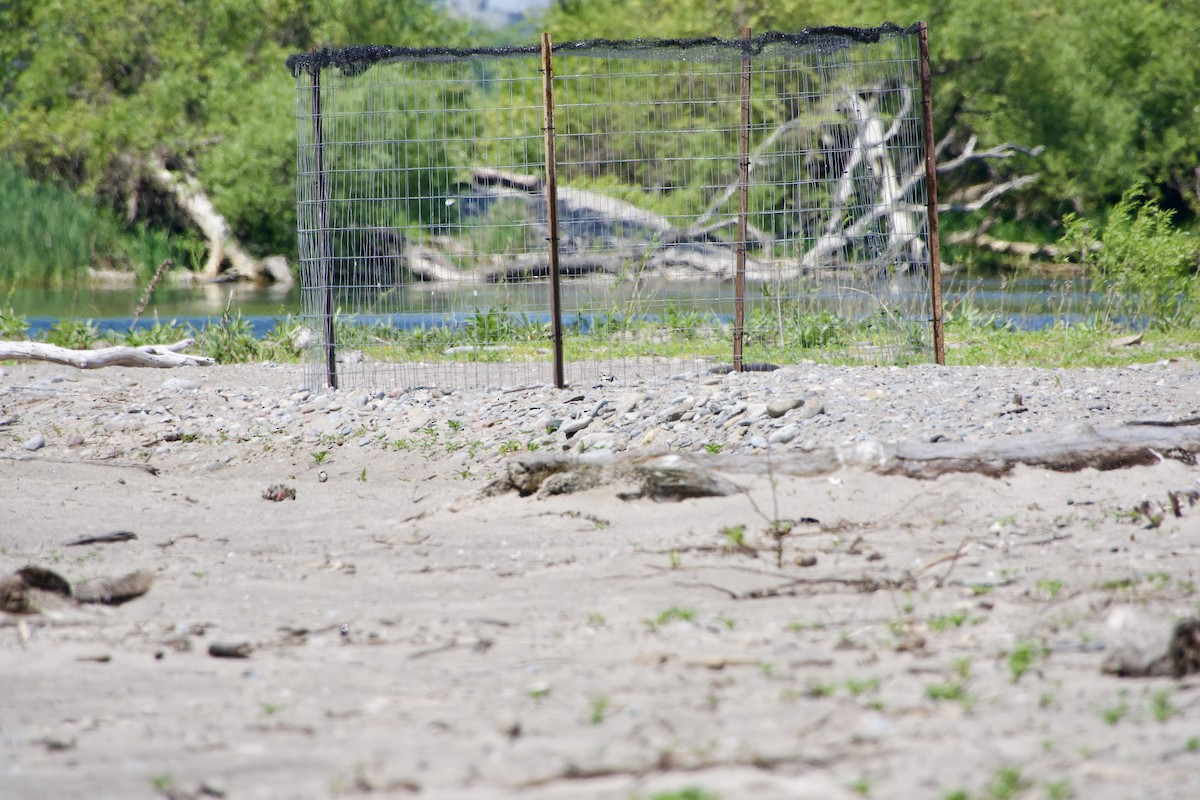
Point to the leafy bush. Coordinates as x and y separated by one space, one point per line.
12 325
1143 265
230 341
158 333
74 334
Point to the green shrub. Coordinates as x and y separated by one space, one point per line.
1142 264
74 334
13 325
230 341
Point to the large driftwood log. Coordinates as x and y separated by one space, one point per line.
223 246
675 476
161 356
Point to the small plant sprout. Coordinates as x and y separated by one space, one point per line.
1059 790
859 687
455 425
1114 714
713 447
861 787
954 690
941 622
599 710
1050 587
362 476
163 784
320 456
735 539
1024 656
509 446
1007 784
689 793
816 689
672 614
1161 705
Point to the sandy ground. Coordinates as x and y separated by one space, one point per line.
413 639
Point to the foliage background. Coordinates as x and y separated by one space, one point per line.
91 89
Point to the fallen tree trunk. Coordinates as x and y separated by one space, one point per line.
160 356
1072 449
223 246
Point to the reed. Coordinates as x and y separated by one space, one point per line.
48 237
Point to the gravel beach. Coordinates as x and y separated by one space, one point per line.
397 630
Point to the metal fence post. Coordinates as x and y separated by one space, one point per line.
739 279
552 208
324 251
931 198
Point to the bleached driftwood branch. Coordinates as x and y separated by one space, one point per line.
985 194
969 154
222 244
161 356
676 476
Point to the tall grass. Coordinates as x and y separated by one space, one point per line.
48 237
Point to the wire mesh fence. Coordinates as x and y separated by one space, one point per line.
718 203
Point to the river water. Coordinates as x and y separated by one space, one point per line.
1028 302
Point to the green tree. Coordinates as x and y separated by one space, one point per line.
1111 90
94 90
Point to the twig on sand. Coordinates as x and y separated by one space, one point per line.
800 586
951 557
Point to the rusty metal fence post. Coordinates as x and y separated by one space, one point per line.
324 250
552 209
931 198
739 279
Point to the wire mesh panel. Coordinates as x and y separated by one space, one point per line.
766 191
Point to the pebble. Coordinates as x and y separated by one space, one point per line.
796 407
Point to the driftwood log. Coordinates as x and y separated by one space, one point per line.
675 477
161 356
223 246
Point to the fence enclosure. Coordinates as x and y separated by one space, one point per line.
729 202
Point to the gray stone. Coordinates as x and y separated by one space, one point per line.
35 442
777 408
180 384
676 411
756 411
784 434
573 427
729 412
811 408
628 402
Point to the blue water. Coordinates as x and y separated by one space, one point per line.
1025 302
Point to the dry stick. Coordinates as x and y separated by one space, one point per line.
141 306
951 557
793 587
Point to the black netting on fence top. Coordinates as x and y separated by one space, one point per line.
354 60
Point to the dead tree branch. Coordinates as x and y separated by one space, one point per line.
161 356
